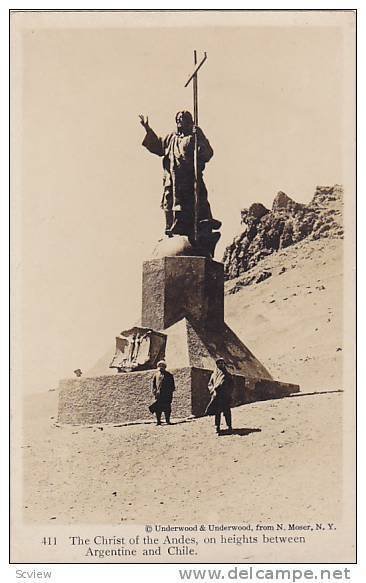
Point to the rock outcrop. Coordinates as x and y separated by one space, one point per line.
288 222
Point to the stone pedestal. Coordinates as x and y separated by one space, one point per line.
124 398
182 299
182 287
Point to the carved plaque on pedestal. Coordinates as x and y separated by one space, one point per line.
138 349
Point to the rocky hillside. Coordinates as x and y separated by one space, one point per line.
288 222
284 289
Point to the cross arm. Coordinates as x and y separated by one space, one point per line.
196 70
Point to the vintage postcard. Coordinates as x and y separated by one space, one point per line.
183 286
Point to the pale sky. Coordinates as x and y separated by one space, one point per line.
86 197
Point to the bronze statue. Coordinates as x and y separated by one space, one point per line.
178 201
185 154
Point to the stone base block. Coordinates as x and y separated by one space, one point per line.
125 397
182 287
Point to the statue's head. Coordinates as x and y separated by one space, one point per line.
184 122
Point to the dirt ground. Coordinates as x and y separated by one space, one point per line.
283 460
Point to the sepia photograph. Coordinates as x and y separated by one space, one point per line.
183 207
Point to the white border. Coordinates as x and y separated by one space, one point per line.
159 573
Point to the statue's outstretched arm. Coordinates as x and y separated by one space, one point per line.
151 141
144 121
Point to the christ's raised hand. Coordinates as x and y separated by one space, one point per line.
144 121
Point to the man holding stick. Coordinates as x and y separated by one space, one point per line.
220 386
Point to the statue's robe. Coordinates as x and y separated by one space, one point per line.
177 152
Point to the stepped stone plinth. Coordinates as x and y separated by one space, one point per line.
183 300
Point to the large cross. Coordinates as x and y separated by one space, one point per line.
195 119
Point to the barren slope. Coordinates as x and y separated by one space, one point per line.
292 320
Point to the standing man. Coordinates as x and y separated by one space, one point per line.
220 386
162 388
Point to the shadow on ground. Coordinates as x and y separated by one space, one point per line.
242 431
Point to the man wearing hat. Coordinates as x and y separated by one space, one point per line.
162 388
220 387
